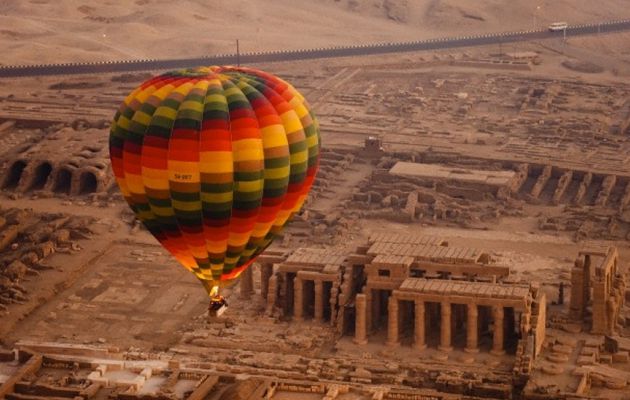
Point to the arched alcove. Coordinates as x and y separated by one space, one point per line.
63 181
12 179
87 183
42 173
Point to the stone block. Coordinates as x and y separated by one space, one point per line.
61 236
586 360
620 357
15 270
31 258
605 359
45 249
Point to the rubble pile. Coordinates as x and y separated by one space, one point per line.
26 240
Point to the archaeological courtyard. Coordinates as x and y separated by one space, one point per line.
466 238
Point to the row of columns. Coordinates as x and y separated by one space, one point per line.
472 325
247 281
298 300
269 287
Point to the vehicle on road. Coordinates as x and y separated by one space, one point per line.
558 26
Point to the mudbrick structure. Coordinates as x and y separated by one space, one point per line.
40 371
81 168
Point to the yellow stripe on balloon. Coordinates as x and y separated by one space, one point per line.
143 95
274 136
299 157
183 89
217 197
301 111
231 91
166 112
123 122
277 173
216 162
312 141
134 183
291 121
142 118
186 205
216 98
248 150
162 211
249 186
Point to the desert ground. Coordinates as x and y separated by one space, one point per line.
39 31
535 137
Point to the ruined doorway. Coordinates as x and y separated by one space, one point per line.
42 173
308 288
358 278
380 312
349 320
459 316
63 181
406 321
289 293
433 323
15 174
485 327
512 334
87 183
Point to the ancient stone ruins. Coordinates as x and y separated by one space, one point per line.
466 238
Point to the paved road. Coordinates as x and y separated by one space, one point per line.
305 54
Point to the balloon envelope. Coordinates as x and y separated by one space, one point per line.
214 161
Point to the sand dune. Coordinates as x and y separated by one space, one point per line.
47 31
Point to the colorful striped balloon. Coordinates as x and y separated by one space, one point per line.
214 161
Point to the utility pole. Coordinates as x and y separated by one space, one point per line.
564 35
238 54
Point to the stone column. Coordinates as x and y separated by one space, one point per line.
445 325
319 300
497 335
392 321
298 299
334 292
419 329
247 283
271 294
360 324
369 309
472 317
266 270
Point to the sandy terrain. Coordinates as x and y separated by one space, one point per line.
116 287
47 31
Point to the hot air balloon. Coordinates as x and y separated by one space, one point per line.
214 161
